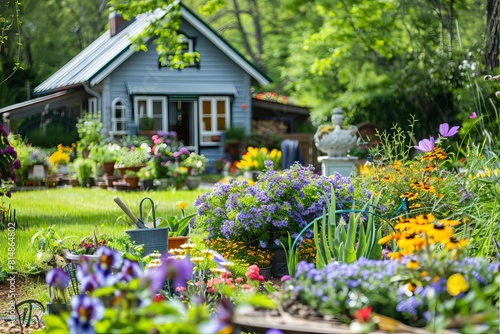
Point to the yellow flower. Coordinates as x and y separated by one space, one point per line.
453 243
181 205
456 284
412 264
197 259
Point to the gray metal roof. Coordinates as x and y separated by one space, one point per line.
103 55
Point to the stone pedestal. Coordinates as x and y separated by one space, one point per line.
343 165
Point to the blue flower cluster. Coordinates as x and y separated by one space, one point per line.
333 289
280 201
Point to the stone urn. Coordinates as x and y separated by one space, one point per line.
336 140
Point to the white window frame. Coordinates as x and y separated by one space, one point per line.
124 119
92 106
215 131
149 109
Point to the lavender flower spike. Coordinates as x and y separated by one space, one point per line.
445 131
425 145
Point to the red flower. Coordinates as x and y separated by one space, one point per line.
158 298
363 314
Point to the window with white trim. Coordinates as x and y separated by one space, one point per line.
187 45
214 119
151 109
119 117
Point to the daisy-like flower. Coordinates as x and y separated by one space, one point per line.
452 243
439 232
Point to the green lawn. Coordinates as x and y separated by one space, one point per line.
76 212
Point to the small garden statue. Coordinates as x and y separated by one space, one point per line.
336 141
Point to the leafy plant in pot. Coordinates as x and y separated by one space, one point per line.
131 159
132 179
105 156
178 228
85 171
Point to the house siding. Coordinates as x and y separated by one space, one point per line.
215 68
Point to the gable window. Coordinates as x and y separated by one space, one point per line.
214 119
119 117
188 46
151 110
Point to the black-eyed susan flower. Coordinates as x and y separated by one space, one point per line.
439 232
452 243
411 196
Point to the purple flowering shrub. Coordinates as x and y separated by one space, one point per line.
8 163
280 202
339 289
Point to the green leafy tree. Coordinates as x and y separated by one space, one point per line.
163 28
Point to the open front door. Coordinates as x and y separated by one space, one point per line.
182 119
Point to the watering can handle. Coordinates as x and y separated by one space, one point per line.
128 212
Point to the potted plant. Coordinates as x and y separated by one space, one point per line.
132 158
178 228
146 126
37 162
195 164
85 171
146 177
90 133
58 281
132 179
105 156
59 160
252 162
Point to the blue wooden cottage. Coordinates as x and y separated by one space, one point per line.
109 76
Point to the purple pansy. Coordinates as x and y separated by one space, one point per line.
84 311
425 145
57 278
129 271
446 131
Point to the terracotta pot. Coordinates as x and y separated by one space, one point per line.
133 182
176 242
109 168
122 170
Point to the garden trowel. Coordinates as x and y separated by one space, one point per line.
129 213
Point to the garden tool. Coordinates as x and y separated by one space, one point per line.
129 213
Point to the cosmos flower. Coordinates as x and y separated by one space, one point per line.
425 145
446 131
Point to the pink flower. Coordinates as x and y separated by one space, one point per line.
425 145
473 115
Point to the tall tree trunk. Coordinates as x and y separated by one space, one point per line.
492 34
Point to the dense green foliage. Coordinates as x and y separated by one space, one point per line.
379 60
